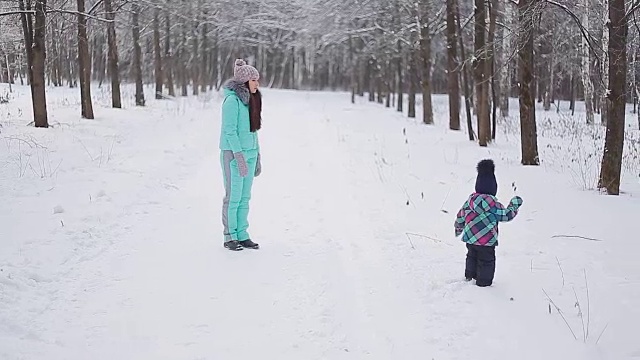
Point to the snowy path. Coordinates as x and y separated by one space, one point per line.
146 276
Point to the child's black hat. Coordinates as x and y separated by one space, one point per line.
486 181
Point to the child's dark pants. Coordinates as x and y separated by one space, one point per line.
481 264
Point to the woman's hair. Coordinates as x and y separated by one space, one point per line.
255 110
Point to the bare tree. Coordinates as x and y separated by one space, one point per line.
411 78
550 65
137 53
204 54
465 75
34 38
452 68
610 172
114 70
528 132
604 101
427 62
636 72
157 52
168 54
480 72
505 63
490 51
586 72
84 64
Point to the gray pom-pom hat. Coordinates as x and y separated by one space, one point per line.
243 72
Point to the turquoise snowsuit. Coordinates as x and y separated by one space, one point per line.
236 137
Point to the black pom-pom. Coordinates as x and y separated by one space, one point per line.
486 167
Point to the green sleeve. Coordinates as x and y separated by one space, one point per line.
230 124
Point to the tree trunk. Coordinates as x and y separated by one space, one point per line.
411 78
168 60
380 98
84 65
35 36
69 63
491 61
184 67
399 77
427 105
204 69
195 65
480 72
548 94
452 68
97 64
427 63
387 83
55 66
572 104
12 59
359 67
371 79
137 54
586 72
39 57
158 53
21 74
465 75
8 73
636 71
114 70
505 71
552 79
604 100
4 72
214 62
610 172
494 101
528 132
27 29
353 69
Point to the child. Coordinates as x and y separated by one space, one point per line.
477 221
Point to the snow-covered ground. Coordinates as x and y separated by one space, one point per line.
111 246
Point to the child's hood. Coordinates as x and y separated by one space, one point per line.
480 203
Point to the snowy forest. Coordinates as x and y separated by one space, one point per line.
125 165
479 52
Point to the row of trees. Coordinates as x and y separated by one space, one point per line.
482 51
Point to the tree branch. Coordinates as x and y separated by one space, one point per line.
94 7
635 6
587 36
71 12
575 236
17 12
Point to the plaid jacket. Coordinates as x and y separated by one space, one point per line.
478 218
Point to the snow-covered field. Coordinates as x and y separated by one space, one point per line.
111 246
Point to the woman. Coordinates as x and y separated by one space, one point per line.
240 152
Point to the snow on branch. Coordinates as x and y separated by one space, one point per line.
585 33
72 12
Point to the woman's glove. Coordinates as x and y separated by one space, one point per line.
242 163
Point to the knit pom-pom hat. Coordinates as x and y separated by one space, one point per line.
243 72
